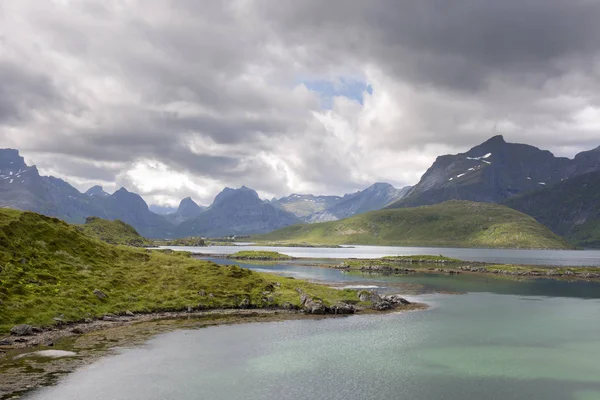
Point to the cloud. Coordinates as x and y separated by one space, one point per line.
182 98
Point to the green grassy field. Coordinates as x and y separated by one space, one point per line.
114 232
259 255
449 224
50 269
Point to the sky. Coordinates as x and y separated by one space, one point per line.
181 98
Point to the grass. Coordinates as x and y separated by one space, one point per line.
192 241
114 232
49 269
449 224
259 255
421 262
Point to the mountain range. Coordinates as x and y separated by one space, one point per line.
559 192
233 212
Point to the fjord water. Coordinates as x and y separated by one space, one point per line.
501 256
502 340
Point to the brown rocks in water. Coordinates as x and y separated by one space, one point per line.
100 294
22 330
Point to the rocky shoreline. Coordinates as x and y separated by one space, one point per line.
32 357
480 268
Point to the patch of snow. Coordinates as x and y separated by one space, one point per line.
529 177
11 181
450 179
488 155
10 173
459 175
542 183
487 162
471 169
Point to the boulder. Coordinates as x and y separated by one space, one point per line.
342 308
129 313
396 299
369 295
100 294
22 330
311 306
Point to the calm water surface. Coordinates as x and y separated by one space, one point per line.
503 340
533 257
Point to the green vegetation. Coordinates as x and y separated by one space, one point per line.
420 263
393 261
50 269
189 242
114 232
449 224
283 244
259 255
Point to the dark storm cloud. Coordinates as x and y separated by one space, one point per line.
457 44
211 88
22 91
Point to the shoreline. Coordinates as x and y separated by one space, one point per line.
22 370
413 264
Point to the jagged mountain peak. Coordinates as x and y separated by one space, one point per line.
96 190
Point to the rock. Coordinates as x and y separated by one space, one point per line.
342 308
129 313
58 320
396 299
22 330
369 295
50 344
303 299
77 331
314 307
382 305
201 293
288 306
100 294
109 318
23 261
245 303
5 342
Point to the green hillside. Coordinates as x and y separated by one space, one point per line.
49 269
452 223
114 232
570 208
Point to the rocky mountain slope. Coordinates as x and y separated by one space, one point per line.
374 197
304 205
236 212
187 209
570 208
495 171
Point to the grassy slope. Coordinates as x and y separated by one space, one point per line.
570 208
453 223
114 232
50 269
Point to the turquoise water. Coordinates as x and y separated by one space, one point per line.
502 256
502 340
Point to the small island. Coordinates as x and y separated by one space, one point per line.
259 256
